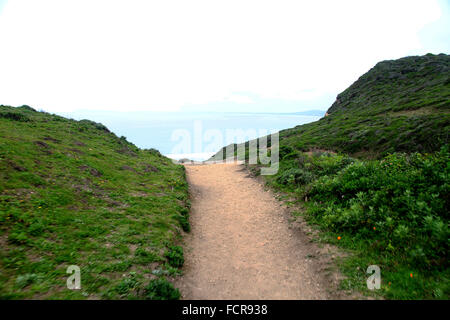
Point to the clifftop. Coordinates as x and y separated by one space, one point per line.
397 106
406 83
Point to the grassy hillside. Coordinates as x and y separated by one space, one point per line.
397 106
73 193
374 176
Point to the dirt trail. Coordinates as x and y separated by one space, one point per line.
242 245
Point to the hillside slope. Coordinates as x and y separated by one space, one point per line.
397 106
73 193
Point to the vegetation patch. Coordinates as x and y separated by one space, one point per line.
61 206
161 289
175 256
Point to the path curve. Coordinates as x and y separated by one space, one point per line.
242 245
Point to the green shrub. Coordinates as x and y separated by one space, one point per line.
393 212
161 289
292 155
126 285
14 116
36 228
26 108
154 152
175 256
400 201
295 176
285 150
184 222
93 124
18 238
24 280
143 256
328 164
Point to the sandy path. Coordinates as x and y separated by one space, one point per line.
241 245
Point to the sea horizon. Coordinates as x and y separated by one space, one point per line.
162 130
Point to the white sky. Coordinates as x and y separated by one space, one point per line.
170 55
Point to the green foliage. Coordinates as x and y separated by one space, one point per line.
15 116
295 176
26 108
392 212
64 200
401 201
18 237
24 280
94 124
143 256
161 289
323 164
303 169
284 151
126 285
175 256
184 222
414 82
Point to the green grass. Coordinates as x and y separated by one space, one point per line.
72 193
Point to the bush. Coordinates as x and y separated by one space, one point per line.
143 256
94 124
328 164
295 176
400 201
14 116
285 150
27 108
185 211
184 222
292 155
24 280
154 152
126 285
161 289
175 256
18 238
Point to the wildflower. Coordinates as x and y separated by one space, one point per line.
411 275
339 238
374 228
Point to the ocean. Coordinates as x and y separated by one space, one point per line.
196 135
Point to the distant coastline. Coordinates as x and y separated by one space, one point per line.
155 129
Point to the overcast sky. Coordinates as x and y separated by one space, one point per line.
271 56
